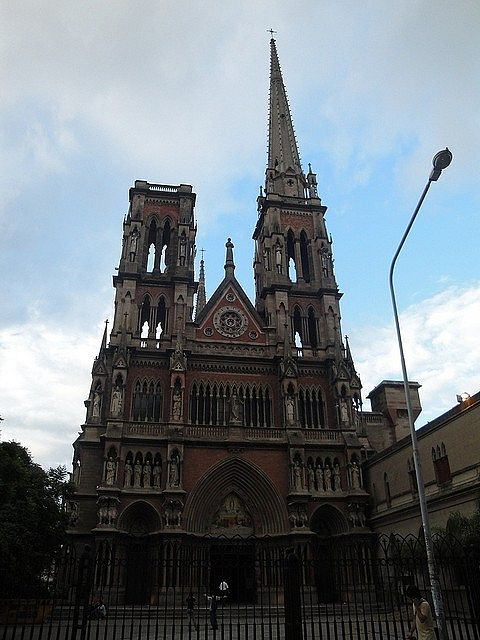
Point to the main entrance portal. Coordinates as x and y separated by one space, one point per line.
234 564
138 572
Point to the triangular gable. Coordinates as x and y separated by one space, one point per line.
230 316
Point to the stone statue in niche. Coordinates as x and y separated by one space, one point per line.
147 474
343 411
336 477
278 258
319 477
76 472
355 473
297 475
311 478
117 401
177 404
133 244
174 473
111 514
128 473
137 474
72 512
327 475
110 471
173 513
235 409
157 475
182 250
96 405
290 409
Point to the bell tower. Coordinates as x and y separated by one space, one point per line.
294 278
155 284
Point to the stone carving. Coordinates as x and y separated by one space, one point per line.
327 475
96 405
110 471
147 474
76 472
266 259
157 474
298 516
173 513
174 470
297 475
319 478
137 474
133 244
128 473
231 514
290 409
344 411
177 404
355 475
356 514
278 258
336 477
117 401
235 409
310 478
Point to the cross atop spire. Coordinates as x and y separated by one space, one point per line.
284 171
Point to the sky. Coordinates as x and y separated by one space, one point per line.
98 94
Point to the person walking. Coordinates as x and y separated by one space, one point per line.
423 623
190 602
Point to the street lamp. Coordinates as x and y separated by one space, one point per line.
440 161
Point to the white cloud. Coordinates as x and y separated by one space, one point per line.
442 351
45 373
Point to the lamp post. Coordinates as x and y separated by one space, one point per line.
441 161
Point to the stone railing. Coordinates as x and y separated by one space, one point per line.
206 431
325 435
163 187
145 429
264 434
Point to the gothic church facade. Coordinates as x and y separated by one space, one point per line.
221 417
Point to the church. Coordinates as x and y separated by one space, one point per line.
226 419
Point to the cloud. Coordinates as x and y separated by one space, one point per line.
441 348
45 373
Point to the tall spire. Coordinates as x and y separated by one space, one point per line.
284 171
201 295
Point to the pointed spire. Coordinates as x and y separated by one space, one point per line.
201 294
229 263
348 356
284 171
103 345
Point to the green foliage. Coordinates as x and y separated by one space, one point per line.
465 528
32 520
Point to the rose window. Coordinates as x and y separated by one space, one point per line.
230 322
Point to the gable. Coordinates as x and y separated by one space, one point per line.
230 317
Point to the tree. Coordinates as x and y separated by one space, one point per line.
32 520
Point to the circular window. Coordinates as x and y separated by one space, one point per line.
253 335
230 322
230 297
208 331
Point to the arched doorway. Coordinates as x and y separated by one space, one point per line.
327 522
139 520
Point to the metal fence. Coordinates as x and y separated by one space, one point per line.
240 588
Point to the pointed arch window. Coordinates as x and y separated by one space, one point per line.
152 242
144 319
311 408
164 253
291 262
147 401
304 256
312 328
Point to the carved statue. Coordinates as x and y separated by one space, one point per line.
324 259
327 474
174 475
147 474
72 511
117 397
235 408
76 472
157 475
319 478
266 260
96 405
177 404
182 250
128 472
278 258
111 514
343 411
311 478
297 476
336 477
290 409
137 474
355 472
110 470
133 244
